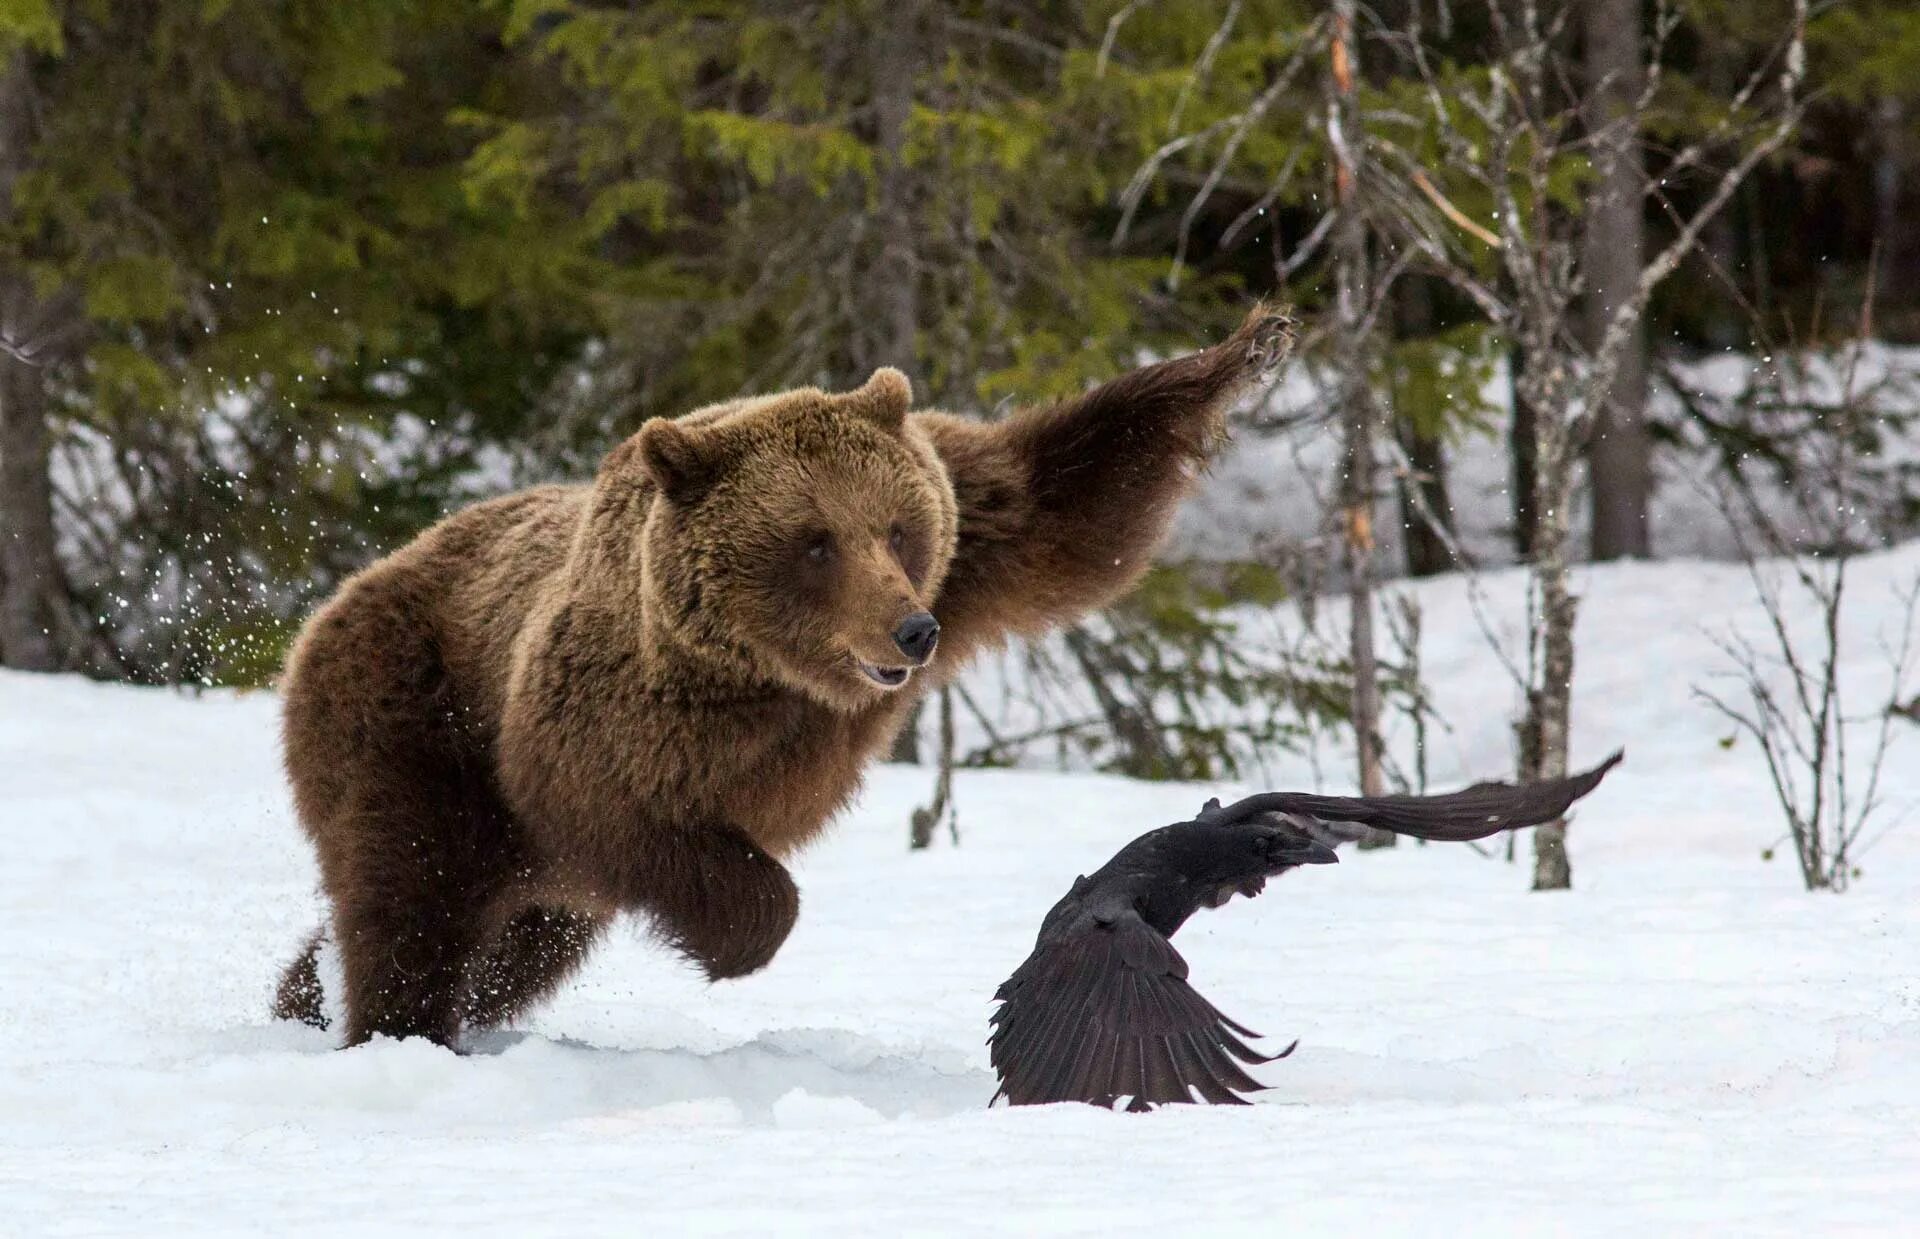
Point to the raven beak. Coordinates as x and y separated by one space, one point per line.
1304 852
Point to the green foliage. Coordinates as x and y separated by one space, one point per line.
132 288
272 209
730 153
1871 50
776 153
33 24
1440 383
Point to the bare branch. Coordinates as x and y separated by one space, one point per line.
1203 66
1260 205
1425 185
1114 23
1244 123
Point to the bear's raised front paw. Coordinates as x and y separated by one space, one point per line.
1268 334
746 928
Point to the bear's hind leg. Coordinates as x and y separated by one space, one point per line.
405 950
393 778
539 948
430 858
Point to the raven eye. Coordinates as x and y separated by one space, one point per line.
820 548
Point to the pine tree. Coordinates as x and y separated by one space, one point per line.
237 240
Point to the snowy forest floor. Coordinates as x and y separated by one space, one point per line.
1686 1042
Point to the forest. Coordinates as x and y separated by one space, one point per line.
285 283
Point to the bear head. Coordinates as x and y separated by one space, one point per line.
805 534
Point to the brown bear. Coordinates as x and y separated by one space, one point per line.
639 694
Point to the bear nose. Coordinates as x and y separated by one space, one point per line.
916 636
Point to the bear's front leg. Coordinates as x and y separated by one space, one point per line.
1062 507
713 894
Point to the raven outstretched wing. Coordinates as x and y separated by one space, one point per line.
1470 813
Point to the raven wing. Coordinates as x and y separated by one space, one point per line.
1102 1010
1471 813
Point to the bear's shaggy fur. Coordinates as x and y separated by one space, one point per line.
637 695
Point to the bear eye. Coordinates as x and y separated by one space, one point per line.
820 548
896 538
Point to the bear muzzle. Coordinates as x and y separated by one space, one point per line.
916 635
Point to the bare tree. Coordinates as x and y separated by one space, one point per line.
1790 696
1359 410
1505 135
1521 474
926 818
29 571
1363 267
1791 703
895 55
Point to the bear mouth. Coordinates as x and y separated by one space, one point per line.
885 677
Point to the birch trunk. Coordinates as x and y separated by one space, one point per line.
1545 728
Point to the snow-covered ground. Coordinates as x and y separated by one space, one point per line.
1686 1043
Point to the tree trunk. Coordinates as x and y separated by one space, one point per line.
1358 411
894 55
1427 552
1520 455
1424 493
1728 324
1549 717
1892 154
29 571
926 819
1544 730
1612 242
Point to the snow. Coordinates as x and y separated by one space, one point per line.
1686 1042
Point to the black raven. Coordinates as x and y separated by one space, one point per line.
1102 1010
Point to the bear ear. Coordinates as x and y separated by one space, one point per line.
683 462
884 399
